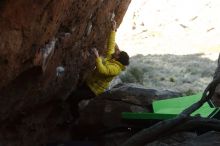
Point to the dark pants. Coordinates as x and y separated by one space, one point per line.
81 93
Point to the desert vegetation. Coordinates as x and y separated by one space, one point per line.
187 74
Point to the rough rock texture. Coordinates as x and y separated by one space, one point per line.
29 97
207 139
210 138
174 139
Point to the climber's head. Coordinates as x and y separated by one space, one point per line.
121 56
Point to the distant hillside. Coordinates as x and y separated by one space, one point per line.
183 73
170 27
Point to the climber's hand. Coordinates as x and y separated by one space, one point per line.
114 25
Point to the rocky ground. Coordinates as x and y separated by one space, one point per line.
187 74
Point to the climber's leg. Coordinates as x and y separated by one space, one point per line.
83 92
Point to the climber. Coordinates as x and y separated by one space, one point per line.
106 69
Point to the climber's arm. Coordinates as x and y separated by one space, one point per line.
108 70
111 41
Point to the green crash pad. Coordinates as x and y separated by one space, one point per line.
146 116
169 108
177 105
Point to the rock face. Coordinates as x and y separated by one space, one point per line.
105 110
64 31
101 117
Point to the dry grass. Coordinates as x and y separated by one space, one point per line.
187 74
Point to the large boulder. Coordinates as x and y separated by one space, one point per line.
103 113
31 89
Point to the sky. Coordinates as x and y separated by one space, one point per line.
171 27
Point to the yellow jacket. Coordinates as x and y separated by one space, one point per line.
106 69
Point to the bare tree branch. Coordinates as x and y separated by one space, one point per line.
217 71
152 133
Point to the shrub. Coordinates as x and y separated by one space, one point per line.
189 92
133 75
